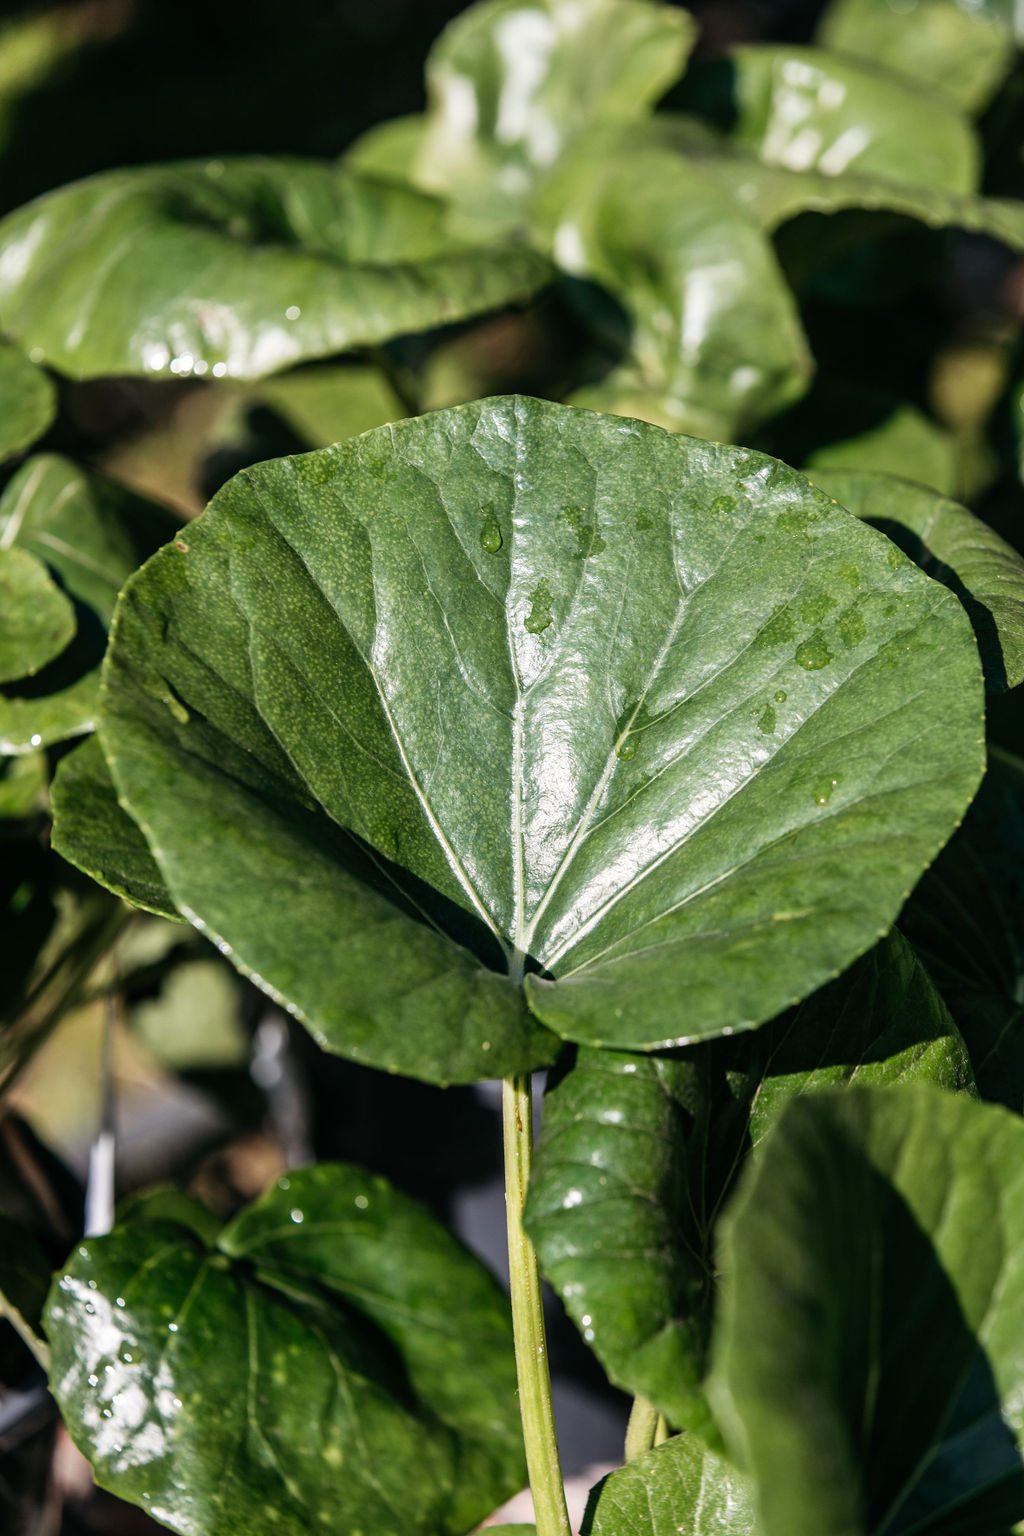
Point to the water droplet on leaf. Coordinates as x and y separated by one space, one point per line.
539 616
813 653
780 697
766 724
490 534
821 792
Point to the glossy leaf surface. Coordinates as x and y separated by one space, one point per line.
966 921
92 832
511 84
680 1486
964 48
647 1147
634 706
806 109
237 268
870 1348
92 534
953 546
714 344
36 619
27 401
309 1372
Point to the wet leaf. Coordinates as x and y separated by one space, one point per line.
92 832
953 546
36 619
91 534
237 268
869 1358
965 49
343 1392
731 767
680 1486
647 1147
27 401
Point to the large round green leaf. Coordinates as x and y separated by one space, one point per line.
237 267
27 401
91 534
659 724
647 1148
955 547
308 1373
870 1345
681 1486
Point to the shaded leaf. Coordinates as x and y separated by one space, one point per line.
965 49
167 1204
953 546
326 404
869 1358
36 619
510 85
645 1148
714 343
966 921
905 443
25 1276
27 916
237 268
91 533
344 1390
92 832
195 1022
732 768
806 109
23 782
27 401
680 1486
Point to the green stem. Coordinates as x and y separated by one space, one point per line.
642 1429
661 1433
542 1463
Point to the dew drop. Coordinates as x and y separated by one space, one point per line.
297 1216
539 616
172 1327
292 312
107 1413
35 741
626 748
119 1301
90 1308
821 792
723 504
93 1380
490 533
813 654
219 370
780 697
362 1202
766 724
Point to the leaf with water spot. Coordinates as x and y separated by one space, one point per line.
869 1349
680 1486
304 1372
91 534
637 1153
417 739
238 268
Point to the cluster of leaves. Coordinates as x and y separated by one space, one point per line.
509 735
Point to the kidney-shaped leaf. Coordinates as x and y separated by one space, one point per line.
27 401
647 1148
651 715
681 1486
92 534
237 267
870 1346
310 1372
955 547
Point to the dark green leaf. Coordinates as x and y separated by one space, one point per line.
510 85
714 341
954 547
644 1148
965 49
27 401
27 916
92 534
309 1373
92 832
732 767
36 619
168 1204
23 782
805 109
966 921
870 1348
237 268
681 1486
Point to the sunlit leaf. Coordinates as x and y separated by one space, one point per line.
681 1486
36 619
27 401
